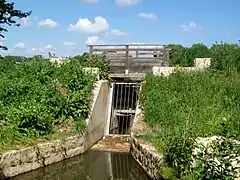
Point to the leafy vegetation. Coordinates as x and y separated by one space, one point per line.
223 55
38 97
185 106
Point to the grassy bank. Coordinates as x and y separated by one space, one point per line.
42 100
184 106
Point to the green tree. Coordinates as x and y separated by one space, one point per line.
198 50
177 55
8 15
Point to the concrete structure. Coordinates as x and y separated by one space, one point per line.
202 62
19 161
166 71
97 119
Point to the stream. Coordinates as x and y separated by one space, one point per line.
92 165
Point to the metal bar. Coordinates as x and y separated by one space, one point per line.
125 83
128 98
125 111
124 107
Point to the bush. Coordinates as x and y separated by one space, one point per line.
184 106
36 94
225 57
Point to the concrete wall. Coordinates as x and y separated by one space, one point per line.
166 71
98 117
202 62
19 161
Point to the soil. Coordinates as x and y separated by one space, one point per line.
113 144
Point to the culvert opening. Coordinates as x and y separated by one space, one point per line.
123 108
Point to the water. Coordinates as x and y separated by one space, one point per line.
93 165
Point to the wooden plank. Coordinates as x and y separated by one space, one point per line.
112 50
116 61
134 65
102 45
147 59
151 53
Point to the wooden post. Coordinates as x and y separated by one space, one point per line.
91 49
127 57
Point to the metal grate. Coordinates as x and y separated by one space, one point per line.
125 95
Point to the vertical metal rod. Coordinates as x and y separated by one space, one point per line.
116 106
110 113
127 117
120 108
124 108
132 107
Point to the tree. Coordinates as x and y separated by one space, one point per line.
8 15
177 55
198 50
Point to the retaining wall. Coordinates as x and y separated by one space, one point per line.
148 158
19 161
143 152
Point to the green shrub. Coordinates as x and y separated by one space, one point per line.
35 94
184 106
225 57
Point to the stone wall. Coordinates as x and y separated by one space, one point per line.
146 155
143 152
19 161
15 162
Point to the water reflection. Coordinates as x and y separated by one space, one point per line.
93 165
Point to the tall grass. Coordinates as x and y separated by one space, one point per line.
184 106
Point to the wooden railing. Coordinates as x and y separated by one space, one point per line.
134 57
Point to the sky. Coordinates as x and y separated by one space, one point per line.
65 27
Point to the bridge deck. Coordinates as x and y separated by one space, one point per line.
135 58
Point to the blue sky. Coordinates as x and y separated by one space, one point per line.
66 26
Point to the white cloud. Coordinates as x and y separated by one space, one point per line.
127 2
190 26
84 25
148 16
69 43
34 49
48 23
19 45
117 32
94 40
91 1
45 49
26 21
48 47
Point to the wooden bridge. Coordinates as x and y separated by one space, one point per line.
132 59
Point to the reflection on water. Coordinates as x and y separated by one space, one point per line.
93 165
